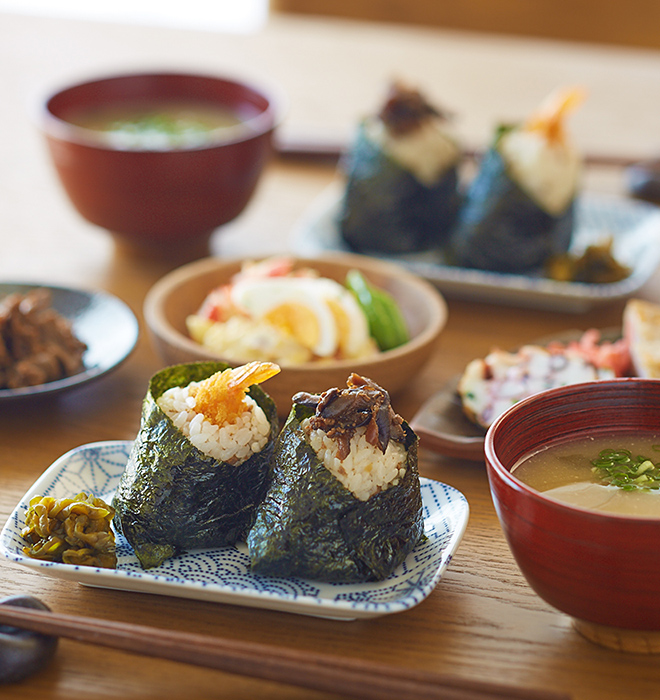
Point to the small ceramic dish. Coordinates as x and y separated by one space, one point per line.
181 292
104 323
223 575
442 425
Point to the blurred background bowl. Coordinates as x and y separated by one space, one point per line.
160 199
181 292
601 569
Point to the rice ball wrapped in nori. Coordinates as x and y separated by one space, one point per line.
200 464
401 173
519 209
345 503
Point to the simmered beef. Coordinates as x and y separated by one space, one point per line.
37 344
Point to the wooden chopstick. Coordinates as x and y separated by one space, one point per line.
343 676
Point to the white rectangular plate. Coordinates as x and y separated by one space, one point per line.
223 575
633 225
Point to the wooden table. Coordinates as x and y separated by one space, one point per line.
482 622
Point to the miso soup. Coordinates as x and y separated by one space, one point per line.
166 126
624 480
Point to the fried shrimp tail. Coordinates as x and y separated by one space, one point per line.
221 397
550 117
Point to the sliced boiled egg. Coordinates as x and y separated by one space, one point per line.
321 314
352 326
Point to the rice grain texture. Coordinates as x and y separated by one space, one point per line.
366 470
232 442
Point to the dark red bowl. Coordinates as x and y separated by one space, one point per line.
148 197
596 567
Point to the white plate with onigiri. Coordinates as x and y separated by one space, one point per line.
223 575
633 225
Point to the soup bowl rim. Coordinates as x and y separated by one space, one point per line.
256 126
496 467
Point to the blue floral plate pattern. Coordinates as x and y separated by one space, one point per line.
223 575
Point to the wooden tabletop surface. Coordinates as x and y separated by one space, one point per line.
482 622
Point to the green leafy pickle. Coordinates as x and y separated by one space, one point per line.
74 530
310 525
173 497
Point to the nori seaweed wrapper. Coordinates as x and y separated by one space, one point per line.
386 209
173 497
502 229
311 526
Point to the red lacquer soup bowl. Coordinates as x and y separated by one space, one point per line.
158 194
601 569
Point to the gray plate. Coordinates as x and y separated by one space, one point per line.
103 322
442 425
633 225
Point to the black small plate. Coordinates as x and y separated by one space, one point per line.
443 427
102 321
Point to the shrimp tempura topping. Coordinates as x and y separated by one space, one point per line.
549 118
221 397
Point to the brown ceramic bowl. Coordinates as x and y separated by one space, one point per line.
160 198
601 569
181 292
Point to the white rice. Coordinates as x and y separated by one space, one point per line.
232 442
549 172
366 470
427 152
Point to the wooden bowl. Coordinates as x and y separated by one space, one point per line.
151 198
601 569
181 292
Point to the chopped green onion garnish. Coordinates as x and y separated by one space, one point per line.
620 468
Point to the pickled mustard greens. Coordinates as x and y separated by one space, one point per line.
627 471
386 323
70 530
596 265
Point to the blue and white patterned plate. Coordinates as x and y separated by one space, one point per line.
223 575
633 225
